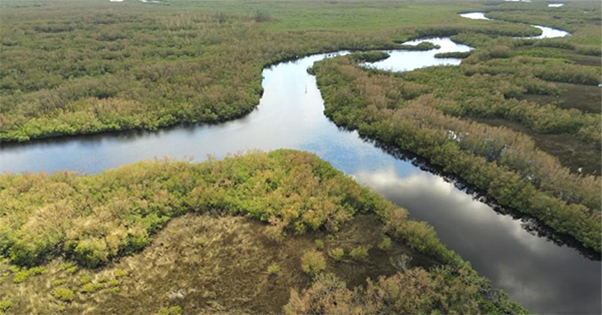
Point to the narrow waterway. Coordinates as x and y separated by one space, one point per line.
534 267
546 32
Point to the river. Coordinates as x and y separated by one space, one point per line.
535 267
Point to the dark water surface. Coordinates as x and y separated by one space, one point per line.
533 268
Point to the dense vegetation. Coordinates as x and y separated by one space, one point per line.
65 223
409 111
72 67
330 295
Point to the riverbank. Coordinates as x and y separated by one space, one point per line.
182 63
144 263
490 158
533 265
528 259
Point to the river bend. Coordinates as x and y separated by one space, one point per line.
534 269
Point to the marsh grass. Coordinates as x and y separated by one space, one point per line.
227 272
72 67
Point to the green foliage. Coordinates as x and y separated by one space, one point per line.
85 278
319 244
360 253
313 263
173 310
454 54
92 287
385 244
336 254
5 305
370 56
423 46
143 197
119 273
63 294
272 187
85 67
23 274
504 163
273 269
439 291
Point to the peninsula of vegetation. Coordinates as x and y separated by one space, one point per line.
247 234
514 118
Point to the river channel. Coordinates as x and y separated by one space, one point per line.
535 267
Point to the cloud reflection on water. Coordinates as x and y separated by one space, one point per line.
465 225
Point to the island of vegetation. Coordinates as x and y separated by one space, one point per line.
263 233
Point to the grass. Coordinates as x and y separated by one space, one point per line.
203 279
72 67
229 267
437 113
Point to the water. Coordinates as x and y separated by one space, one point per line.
546 32
475 16
410 60
533 268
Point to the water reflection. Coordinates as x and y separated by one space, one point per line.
475 16
546 32
509 253
545 277
410 60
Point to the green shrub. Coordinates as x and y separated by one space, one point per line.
313 263
385 244
120 273
91 253
319 244
92 287
85 278
370 56
22 274
174 310
336 254
5 305
63 294
424 46
57 282
454 54
274 269
360 253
